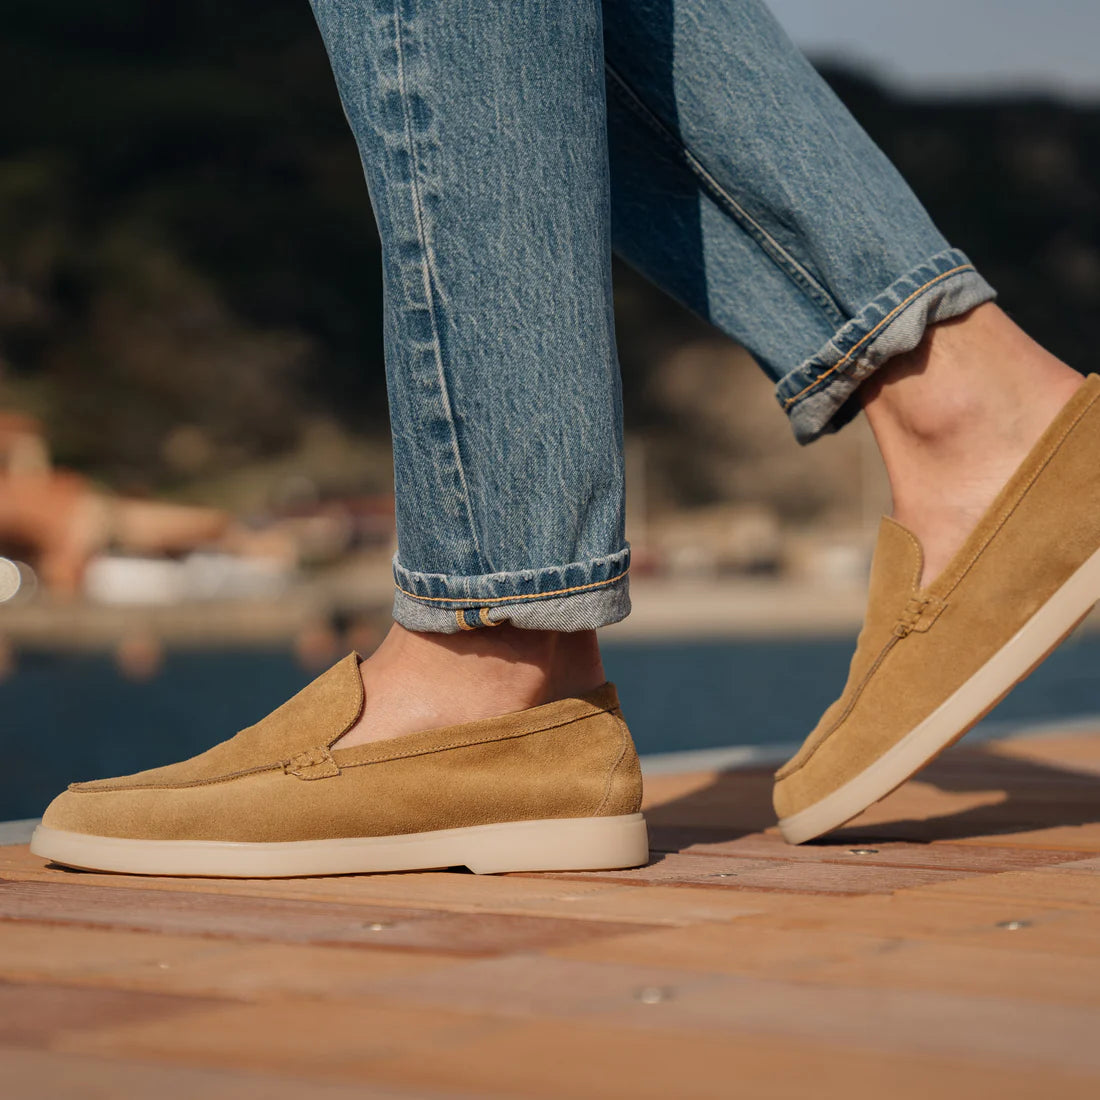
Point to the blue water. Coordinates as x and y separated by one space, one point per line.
65 717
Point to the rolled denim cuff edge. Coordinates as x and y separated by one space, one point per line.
815 396
578 596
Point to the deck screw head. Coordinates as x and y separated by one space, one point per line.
377 926
863 851
654 994
1013 925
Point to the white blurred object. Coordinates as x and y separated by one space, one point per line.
18 581
11 580
200 576
210 576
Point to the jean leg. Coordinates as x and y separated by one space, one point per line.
482 130
743 186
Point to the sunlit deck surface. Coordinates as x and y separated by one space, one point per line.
946 944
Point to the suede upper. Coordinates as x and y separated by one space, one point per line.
282 780
918 645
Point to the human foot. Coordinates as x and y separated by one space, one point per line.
932 660
551 787
955 417
416 681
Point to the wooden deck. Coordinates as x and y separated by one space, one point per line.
948 944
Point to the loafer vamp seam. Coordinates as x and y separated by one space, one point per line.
507 735
938 592
104 787
795 765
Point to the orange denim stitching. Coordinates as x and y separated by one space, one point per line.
461 617
505 599
885 321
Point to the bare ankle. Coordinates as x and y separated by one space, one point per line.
970 378
417 681
954 417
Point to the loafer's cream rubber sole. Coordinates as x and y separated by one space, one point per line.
1023 652
560 844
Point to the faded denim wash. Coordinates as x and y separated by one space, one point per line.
506 145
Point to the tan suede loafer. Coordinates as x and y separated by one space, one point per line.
930 662
556 787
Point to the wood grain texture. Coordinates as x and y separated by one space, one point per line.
946 943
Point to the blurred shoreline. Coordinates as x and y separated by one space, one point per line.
663 609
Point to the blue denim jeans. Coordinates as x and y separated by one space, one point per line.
507 147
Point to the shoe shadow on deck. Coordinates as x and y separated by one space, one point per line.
967 793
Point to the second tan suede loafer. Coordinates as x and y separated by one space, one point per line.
556 787
930 662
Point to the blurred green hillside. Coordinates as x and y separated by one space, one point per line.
186 243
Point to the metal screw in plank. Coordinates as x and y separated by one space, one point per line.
654 994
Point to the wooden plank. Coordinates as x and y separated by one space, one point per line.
723 872
1045 889
1090 866
805 945
332 1039
49 1075
551 1059
940 1024
289 921
737 948
1062 751
197 965
543 986
938 855
971 971
1009 924
1060 838
657 1053
40 1014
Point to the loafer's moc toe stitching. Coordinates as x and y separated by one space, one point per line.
930 662
556 787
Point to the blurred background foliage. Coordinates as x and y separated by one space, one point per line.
189 272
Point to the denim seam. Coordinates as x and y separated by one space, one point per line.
429 276
874 331
768 244
507 599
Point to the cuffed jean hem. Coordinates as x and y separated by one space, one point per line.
580 596
816 395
